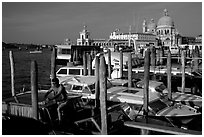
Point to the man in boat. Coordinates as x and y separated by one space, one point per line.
60 96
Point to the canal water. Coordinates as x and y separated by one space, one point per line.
22 59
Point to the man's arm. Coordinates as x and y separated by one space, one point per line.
48 92
58 93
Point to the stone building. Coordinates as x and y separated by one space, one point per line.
165 31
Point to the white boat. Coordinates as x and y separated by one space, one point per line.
156 70
160 89
63 53
134 97
36 51
115 59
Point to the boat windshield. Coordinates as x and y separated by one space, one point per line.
160 88
157 105
92 88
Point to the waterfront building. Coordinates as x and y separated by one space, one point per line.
165 31
84 38
135 40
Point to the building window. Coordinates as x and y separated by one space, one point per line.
161 32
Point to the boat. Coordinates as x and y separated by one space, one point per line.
115 59
35 51
63 53
134 97
154 70
77 119
176 112
162 91
76 110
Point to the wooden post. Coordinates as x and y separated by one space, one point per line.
89 62
153 60
169 74
12 63
183 71
85 64
195 55
189 53
109 63
146 87
153 55
121 64
103 95
53 63
197 51
130 70
179 56
146 81
97 93
161 56
34 89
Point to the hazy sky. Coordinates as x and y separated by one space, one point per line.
52 22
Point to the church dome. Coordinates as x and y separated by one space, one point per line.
151 25
165 20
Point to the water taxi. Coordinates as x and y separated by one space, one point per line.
160 89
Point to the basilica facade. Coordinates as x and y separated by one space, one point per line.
164 29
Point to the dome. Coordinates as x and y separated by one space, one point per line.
165 20
151 25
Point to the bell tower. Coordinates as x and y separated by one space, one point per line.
144 26
84 37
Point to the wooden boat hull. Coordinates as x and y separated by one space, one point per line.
179 112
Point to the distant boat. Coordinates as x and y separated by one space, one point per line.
36 51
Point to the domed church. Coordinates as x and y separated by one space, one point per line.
164 30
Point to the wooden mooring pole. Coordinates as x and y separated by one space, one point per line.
130 70
103 95
121 64
53 63
153 60
169 74
109 63
195 60
161 56
97 93
85 63
183 71
12 73
89 64
146 88
34 89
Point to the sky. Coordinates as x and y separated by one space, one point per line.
52 22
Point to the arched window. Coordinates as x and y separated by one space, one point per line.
165 31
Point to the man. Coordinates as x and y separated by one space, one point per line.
59 96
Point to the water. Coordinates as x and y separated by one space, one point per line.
22 61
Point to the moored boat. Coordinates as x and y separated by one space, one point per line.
160 89
134 97
35 51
